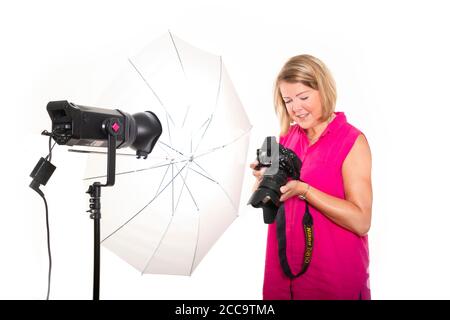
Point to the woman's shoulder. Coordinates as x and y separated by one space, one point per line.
351 137
345 129
352 131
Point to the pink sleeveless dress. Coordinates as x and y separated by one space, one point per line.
339 267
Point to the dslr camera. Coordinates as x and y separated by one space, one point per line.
281 163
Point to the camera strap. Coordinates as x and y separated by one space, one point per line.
281 236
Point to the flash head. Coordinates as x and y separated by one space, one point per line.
77 125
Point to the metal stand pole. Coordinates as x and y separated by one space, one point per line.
112 128
94 208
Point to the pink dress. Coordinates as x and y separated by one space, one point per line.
339 267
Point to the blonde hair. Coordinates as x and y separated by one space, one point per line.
311 72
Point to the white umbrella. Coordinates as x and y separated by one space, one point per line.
165 212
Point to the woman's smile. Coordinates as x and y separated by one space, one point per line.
302 116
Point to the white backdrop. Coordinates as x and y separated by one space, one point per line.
390 61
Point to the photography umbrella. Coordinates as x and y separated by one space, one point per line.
165 212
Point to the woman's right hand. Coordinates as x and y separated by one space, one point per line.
258 174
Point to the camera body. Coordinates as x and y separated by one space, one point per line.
281 163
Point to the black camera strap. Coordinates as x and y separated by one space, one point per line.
281 236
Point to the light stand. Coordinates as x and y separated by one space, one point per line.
112 127
96 127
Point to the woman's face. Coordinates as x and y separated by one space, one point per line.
303 104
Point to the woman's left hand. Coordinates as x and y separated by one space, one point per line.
290 189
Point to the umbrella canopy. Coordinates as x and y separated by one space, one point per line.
165 212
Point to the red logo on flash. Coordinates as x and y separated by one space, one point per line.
115 127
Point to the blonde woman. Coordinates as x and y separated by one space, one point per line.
329 259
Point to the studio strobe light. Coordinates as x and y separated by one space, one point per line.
77 125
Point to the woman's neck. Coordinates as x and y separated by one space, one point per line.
314 132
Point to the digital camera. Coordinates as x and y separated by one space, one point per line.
281 163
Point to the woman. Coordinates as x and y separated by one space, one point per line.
334 186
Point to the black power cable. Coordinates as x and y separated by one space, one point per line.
40 174
48 242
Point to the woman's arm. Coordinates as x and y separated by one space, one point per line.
355 211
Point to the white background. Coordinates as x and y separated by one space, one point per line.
390 61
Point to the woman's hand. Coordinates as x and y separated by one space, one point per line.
290 189
258 174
